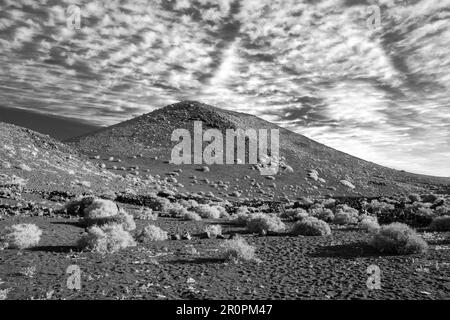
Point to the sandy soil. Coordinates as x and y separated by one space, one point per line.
332 267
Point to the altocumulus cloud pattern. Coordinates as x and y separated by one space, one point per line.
315 67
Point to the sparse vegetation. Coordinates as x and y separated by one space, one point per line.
100 210
369 223
189 204
22 236
175 210
214 230
189 215
378 207
294 214
208 212
345 215
311 226
443 210
126 220
398 238
152 233
147 214
414 197
238 249
240 219
105 239
262 223
440 224
322 213
76 207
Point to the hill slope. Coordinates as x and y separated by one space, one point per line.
57 127
149 136
38 162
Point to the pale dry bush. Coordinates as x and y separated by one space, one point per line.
369 223
152 233
125 219
22 236
398 238
175 210
260 223
294 214
380 206
322 214
345 215
108 238
4 293
214 230
240 219
420 209
443 210
157 203
189 215
242 210
101 212
222 211
100 208
238 249
147 214
189 204
328 203
208 212
311 226
440 224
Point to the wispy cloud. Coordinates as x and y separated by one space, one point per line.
312 66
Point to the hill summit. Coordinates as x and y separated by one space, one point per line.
312 167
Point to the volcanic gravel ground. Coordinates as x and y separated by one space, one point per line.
331 267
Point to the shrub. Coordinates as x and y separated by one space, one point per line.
214 230
108 238
238 249
152 233
76 207
189 215
262 223
322 214
429 198
100 210
376 206
222 211
420 213
369 223
158 203
294 214
22 236
208 212
442 210
175 210
240 219
147 214
414 197
345 215
242 210
189 204
311 226
328 203
398 238
440 224
125 219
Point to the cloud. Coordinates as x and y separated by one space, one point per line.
312 66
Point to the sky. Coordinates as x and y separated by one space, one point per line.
374 86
